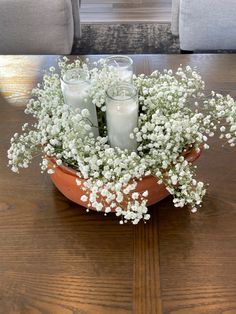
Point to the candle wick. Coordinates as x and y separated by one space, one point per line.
116 63
90 122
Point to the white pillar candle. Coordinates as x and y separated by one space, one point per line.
75 88
123 65
125 75
122 116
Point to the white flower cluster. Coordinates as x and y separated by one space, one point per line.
175 117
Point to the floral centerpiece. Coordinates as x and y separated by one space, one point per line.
172 115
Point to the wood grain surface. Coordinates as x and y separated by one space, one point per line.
57 259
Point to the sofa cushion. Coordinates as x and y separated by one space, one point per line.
175 17
36 27
207 24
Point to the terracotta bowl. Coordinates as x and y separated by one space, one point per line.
64 179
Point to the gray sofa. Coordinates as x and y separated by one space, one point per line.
205 24
38 26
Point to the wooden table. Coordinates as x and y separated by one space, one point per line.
57 259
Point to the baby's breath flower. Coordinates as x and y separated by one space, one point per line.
84 198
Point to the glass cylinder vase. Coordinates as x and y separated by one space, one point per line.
75 87
122 115
123 65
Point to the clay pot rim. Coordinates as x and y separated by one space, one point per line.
192 154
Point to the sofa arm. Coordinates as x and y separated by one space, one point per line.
76 17
207 24
175 17
36 27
